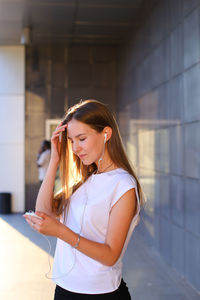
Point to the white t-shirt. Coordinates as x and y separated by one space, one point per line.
88 215
43 161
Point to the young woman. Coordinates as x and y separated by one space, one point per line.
98 206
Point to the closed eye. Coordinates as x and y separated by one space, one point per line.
69 139
81 140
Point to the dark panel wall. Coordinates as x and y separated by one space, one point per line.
159 113
56 78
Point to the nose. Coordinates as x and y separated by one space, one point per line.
75 147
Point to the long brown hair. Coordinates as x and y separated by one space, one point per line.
72 172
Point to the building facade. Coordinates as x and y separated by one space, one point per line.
151 82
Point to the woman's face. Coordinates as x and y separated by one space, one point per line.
87 143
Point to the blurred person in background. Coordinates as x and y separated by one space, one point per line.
43 159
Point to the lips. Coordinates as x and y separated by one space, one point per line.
82 156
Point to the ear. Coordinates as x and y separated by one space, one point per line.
108 131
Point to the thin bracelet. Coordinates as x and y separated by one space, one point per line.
78 241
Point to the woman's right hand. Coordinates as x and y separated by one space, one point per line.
55 142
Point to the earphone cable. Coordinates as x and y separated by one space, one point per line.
50 248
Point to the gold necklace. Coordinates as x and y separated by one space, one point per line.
99 172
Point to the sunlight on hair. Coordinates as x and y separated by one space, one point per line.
74 173
74 179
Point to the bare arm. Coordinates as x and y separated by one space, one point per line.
106 253
45 195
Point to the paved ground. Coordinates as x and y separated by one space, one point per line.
24 262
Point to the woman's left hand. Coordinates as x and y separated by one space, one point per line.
47 225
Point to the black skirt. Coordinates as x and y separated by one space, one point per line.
121 293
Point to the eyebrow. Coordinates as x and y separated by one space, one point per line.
76 135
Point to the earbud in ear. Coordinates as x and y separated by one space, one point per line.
105 137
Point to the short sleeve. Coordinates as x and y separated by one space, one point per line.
125 183
41 159
44 158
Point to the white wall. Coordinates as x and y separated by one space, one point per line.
12 115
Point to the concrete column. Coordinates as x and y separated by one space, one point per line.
12 114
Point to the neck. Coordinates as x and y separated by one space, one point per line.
109 167
106 164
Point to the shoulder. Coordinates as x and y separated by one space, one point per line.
44 157
47 152
121 183
123 177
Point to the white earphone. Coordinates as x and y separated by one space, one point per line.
104 145
105 137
